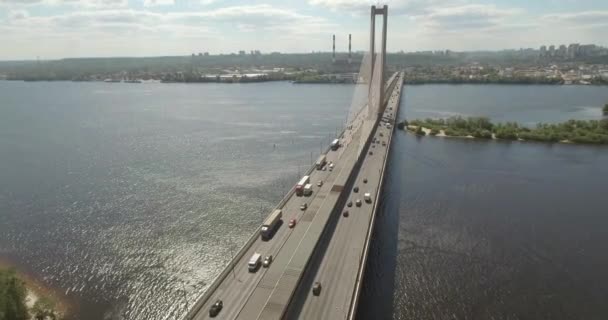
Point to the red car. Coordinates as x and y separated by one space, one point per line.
292 223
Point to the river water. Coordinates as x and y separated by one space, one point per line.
129 198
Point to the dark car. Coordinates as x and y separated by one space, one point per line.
349 204
316 288
365 180
345 213
358 202
216 308
356 189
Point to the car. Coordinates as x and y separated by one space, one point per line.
349 204
358 202
371 153
383 143
356 189
331 166
381 134
304 206
267 261
320 183
216 308
365 180
292 223
373 145
316 288
345 213
367 197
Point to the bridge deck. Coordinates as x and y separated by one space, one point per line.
267 293
340 263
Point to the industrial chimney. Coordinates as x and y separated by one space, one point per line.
333 56
349 52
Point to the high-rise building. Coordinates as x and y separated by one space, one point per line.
562 52
573 50
543 51
551 50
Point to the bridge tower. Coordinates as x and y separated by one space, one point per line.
377 71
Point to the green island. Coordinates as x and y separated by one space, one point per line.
17 302
571 131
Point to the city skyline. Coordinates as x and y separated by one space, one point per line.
54 29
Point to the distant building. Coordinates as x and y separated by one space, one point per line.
241 52
551 50
573 50
543 51
562 52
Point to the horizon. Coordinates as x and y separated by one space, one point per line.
63 29
247 53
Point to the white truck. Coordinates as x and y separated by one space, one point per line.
307 190
321 162
254 262
301 184
270 224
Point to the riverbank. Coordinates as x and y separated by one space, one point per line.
572 131
39 298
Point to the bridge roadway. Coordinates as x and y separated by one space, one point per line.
266 293
339 262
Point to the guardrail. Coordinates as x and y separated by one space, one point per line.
356 294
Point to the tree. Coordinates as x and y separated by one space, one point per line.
12 296
605 109
420 132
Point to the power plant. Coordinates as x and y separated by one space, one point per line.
333 55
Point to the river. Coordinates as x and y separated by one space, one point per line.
129 198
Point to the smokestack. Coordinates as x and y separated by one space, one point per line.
333 56
349 54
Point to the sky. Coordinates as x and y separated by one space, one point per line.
53 29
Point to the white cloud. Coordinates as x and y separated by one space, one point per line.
395 7
152 3
473 16
580 19
18 14
73 3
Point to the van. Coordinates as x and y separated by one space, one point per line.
254 262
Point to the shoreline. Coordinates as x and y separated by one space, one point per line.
37 289
427 133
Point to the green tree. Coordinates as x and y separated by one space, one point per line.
12 296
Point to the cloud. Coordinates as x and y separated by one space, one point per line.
18 14
579 19
473 16
75 3
152 3
395 7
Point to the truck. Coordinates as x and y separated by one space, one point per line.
335 144
301 184
307 190
321 162
254 262
270 224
